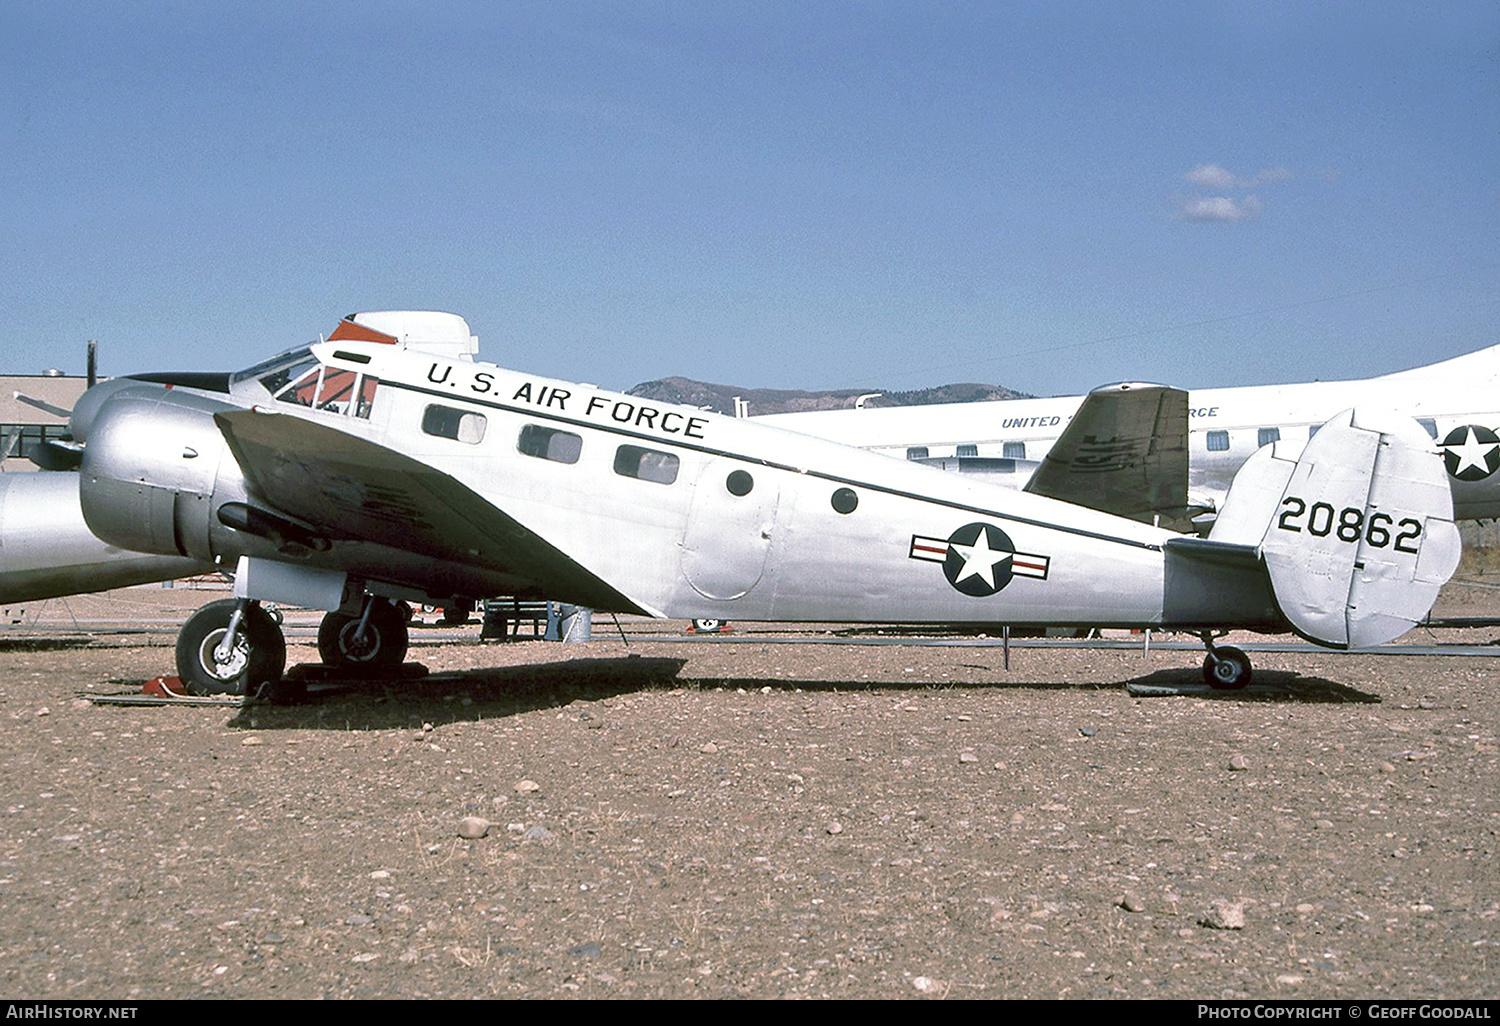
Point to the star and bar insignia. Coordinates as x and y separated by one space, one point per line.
979 559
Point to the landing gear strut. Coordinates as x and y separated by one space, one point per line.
229 647
377 639
1225 667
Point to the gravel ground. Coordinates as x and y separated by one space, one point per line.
672 819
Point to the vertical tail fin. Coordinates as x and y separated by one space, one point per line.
1356 532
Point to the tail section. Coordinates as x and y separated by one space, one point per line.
1356 532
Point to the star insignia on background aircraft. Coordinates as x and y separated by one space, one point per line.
1472 453
979 559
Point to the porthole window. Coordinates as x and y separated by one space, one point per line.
646 464
844 500
739 482
967 449
1218 441
1013 450
1266 436
550 444
916 452
459 425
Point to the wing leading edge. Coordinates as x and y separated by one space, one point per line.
348 488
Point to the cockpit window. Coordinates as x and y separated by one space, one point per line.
294 382
320 387
298 357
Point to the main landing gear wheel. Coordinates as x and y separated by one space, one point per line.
382 646
258 654
708 626
1226 667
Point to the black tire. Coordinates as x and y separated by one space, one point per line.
708 625
259 654
1229 671
383 647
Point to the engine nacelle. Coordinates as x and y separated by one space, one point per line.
46 549
154 468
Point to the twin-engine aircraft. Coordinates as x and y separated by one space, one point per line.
1161 454
385 464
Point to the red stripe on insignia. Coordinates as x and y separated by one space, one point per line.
1029 566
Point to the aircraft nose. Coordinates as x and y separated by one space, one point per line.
86 410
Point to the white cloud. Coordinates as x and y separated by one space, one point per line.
1219 209
1212 176
1215 176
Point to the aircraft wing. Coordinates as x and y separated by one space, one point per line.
351 489
1124 452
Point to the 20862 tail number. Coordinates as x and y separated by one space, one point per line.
1349 524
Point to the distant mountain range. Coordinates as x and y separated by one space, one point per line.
720 398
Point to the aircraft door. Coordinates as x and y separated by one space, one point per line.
729 528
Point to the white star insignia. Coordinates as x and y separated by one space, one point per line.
1472 453
980 560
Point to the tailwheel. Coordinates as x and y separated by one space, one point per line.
380 645
229 647
1226 667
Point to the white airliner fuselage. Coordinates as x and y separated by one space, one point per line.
1457 401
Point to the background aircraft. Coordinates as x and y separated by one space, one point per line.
385 464
1147 451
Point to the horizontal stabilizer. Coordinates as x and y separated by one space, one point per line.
1356 532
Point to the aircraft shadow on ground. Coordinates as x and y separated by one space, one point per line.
466 695
1267 686
56 644
496 692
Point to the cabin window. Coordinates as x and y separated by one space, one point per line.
550 444
739 482
1266 436
646 464
459 425
1429 425
916 452
1013 450
1218 441
844 500
967 449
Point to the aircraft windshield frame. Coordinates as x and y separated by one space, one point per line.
287 357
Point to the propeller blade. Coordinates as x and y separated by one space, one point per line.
42 404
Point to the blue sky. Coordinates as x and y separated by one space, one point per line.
821 194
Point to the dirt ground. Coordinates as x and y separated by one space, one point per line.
691 818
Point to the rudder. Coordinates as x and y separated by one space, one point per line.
1356 533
